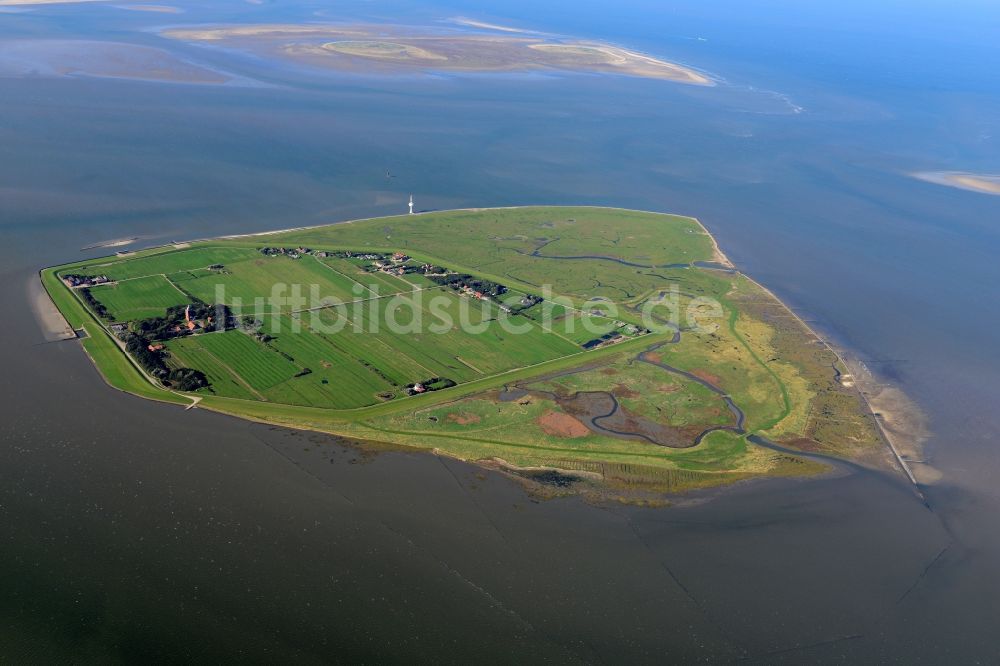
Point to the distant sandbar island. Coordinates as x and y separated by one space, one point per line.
973 182
394 49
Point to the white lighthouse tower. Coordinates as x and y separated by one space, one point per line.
411 204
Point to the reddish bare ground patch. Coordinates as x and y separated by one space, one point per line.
668 388
622 391
609 372
708 377
558 424
654 357
463 419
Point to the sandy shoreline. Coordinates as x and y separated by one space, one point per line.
50 320
117 242
900 422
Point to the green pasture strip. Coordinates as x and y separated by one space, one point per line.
223 380
139 298
281 277
574 325
260 367
463 331
329 418
168 260
436 352
396 365
338 379
375 283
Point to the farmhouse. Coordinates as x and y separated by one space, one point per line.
84 280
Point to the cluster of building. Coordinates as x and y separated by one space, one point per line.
478 295
85 280
629 329
622 332
398 264
290 252
365 256
529 301
394 264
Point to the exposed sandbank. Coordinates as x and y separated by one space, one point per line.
11 3
973 182
903 423
64 57
160 9
117 242
473 23
394 49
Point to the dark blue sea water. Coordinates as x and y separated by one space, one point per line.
134 531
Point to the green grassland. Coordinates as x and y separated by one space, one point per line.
168 260
645 390
254 275
338 368
139 298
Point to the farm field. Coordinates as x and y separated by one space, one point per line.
240 282
169 261
589 340
573 324
374 283
139 298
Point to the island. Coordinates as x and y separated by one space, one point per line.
394 49
580 349
973 182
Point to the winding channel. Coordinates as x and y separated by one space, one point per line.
741 418
838 464
518 391
538 253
